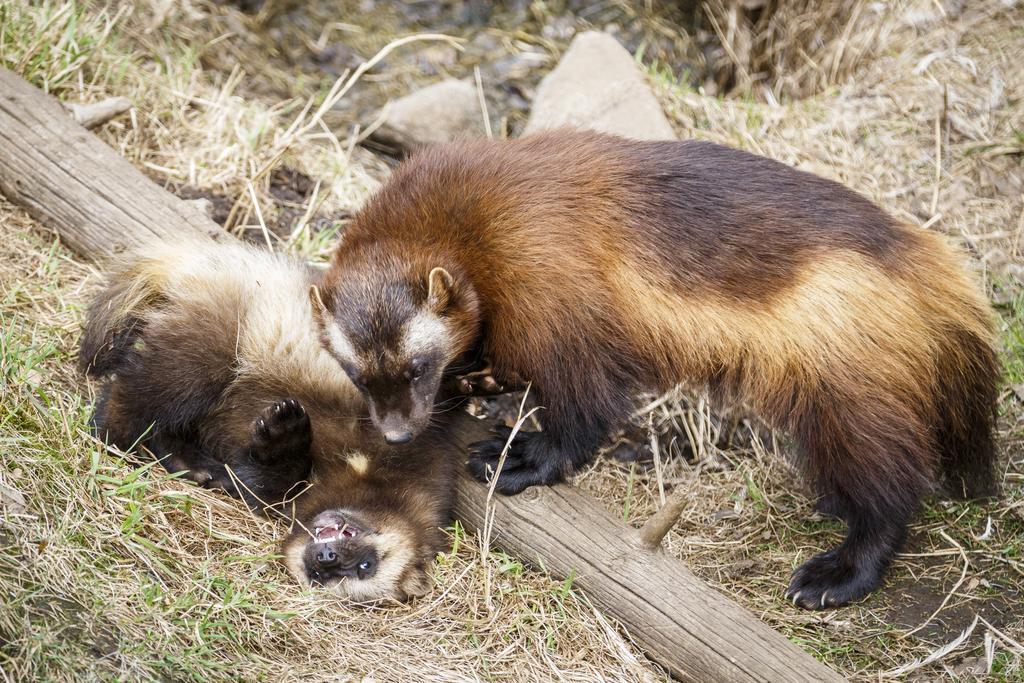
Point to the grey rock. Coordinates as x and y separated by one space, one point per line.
437 113
598 85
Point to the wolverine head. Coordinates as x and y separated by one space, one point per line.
356 556
394 331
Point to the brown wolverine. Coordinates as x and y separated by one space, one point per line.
596 267
212 365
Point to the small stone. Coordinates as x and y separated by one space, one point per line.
559 28
517 65
438 113
484 44
722 515
336 57
598 85
95 114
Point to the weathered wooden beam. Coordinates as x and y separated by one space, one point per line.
99 204
69 179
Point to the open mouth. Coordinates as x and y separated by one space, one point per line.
338 530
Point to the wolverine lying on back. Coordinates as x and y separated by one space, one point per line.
211 359
597 267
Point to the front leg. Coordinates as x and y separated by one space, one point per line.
478 380
533 458
277 456
582 400
280 432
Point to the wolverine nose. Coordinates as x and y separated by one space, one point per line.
326 557
396 436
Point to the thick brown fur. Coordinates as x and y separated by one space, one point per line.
596 267
210 359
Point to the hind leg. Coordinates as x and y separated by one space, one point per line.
128 426
871 465
830 505
856 567
181 453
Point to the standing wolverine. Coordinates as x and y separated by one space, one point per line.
596 267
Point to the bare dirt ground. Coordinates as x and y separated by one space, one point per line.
109 570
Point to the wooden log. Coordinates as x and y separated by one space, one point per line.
69 179
99 204
679 621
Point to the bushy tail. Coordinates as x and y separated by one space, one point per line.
115 319
967 369
968 389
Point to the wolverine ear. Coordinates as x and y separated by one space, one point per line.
440 289
317 300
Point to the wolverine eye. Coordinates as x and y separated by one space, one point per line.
418 368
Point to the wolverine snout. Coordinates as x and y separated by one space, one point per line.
398 436
396 428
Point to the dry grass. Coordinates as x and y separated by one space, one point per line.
110 570
794 48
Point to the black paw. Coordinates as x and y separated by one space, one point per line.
216 480
478 385
830 579
209 476
529 461
281 431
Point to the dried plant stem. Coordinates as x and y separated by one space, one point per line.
655 528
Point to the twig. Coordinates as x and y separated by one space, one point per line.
301 125
311 206
273 507
963 575
259 217
489 509
938 162
656 452
381 119
662 521
936 655
661 400
1014 645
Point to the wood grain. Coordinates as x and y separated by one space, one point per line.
69 180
